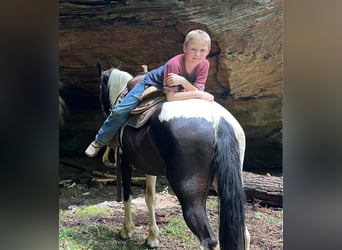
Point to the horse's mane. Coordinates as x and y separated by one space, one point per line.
117 82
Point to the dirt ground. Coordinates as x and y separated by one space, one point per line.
264 224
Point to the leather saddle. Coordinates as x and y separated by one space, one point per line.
151 99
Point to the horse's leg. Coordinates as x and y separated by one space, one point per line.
126 231
193 198
150 199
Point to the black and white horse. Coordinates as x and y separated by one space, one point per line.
196 144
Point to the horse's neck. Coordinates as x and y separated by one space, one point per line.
117 83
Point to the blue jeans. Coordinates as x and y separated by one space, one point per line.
119 114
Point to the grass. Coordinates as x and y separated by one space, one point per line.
97 227
267 218
82 228
90 227
176 230
67 237
94 237
212 203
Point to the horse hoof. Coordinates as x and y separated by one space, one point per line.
151 244
217 247
124 234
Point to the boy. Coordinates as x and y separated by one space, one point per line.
182 77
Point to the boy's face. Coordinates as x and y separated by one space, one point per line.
196 50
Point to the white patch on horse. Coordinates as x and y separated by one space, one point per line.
192 108
197 108
210 111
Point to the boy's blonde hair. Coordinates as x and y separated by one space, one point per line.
197 34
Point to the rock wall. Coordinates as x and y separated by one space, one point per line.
246 55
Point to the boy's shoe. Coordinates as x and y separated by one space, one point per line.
93 149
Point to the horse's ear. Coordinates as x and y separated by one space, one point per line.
99 68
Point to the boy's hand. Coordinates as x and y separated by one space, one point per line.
174 79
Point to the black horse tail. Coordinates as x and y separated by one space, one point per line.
226 166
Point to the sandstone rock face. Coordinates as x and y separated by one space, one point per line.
246 55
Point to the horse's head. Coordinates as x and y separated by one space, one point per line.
104 74
112 83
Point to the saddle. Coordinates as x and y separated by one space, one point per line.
151 99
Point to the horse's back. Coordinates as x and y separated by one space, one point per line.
185 138
177 133
183 141
210 112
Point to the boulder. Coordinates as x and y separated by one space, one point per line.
246 56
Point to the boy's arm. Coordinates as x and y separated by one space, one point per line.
175 80
198 94
190 90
